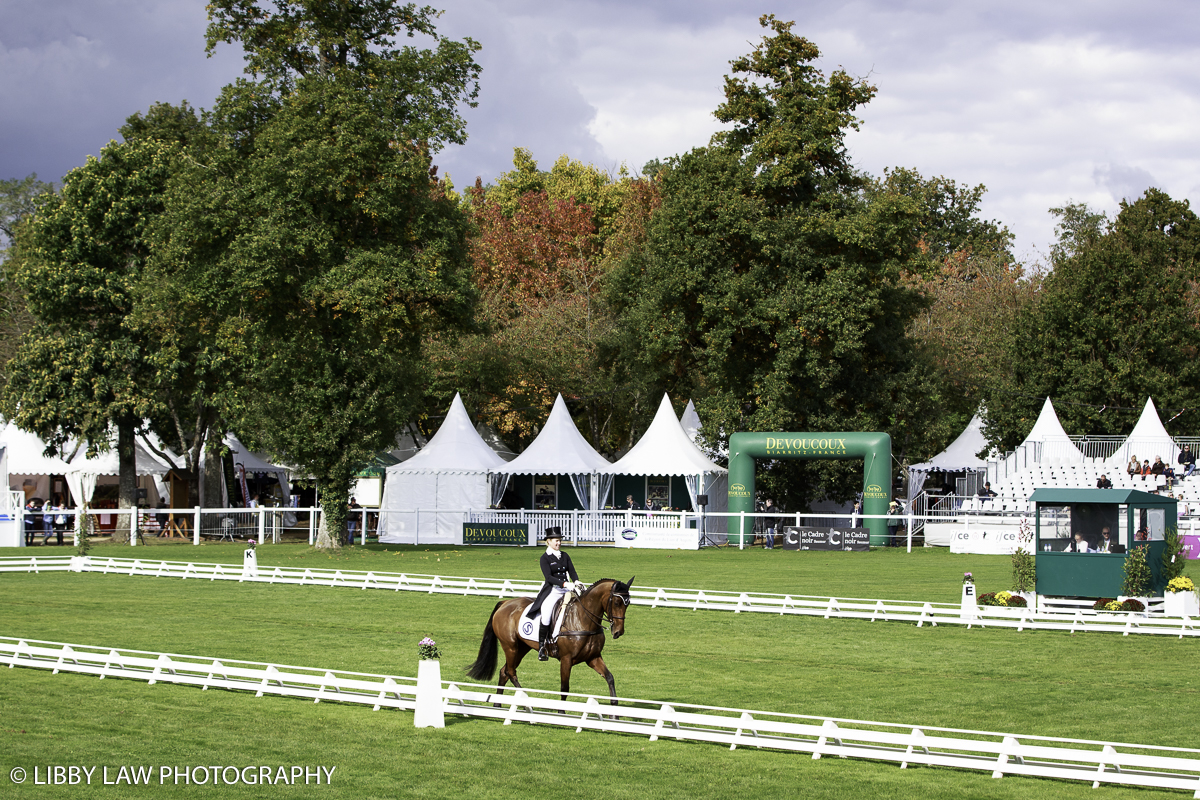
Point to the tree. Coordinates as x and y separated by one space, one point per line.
768 288
80 372
315 240
544 244
18 198
1116 321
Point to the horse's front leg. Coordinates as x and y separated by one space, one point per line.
598 664
564 675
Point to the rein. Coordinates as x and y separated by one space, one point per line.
607 611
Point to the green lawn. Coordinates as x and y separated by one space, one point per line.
1100 686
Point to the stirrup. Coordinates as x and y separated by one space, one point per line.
542 652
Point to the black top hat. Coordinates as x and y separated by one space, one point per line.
552 533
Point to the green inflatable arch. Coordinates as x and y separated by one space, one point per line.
874 448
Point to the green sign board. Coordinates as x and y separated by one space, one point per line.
496 533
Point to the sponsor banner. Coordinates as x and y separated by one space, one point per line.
659 538
496 533
984 541
855 539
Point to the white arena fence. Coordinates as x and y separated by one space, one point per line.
1001 754
1046 615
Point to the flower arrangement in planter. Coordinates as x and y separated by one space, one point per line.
427 650
967 578
1180 598
1112 604
1181 583
1002 599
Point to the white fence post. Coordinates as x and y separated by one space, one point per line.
197 534
262 524
312 525
133 525
574 526
363 527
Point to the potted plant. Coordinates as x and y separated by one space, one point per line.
1180 598
1137 576
1024 570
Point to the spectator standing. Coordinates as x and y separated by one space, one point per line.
352 520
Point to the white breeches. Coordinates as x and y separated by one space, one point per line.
548 606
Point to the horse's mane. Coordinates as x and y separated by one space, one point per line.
617 587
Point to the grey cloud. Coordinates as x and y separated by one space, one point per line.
1124 182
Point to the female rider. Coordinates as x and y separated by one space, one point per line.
556 569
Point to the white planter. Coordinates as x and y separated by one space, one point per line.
969 605
429 713
1181 604
1030 599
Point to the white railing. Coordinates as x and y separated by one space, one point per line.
194 524
1001 754
1043 616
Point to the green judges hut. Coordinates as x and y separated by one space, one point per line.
1132 518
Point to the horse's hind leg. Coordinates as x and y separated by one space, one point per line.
598 664
508 673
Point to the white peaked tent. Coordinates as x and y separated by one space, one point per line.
1147 439
450 472
28 469
960 456
84 473
560 449
667 449
691 422
1056 446
246 461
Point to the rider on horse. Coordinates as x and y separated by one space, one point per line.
556 568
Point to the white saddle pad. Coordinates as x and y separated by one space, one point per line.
529 628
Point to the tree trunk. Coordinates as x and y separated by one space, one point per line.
335 499
213 478
127 477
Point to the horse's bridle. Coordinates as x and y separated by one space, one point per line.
607 611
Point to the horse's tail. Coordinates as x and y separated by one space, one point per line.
485 665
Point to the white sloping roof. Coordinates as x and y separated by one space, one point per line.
249 461
25 454
559 449
690 421
1056 445
456 448
25 457
961 454
665 449
1147 439
108 463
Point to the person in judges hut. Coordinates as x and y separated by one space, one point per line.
1080 544
560 577
1105 541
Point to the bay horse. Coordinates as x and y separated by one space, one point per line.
579 642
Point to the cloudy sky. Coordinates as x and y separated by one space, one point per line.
1041 102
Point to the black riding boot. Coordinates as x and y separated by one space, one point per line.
543 635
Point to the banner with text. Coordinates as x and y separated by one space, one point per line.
496 533
659 538
855 539
1000 541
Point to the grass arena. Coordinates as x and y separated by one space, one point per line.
1087 686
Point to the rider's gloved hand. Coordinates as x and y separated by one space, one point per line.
578 588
